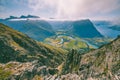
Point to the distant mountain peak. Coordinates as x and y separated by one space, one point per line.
11 17
21 17
85 28
29 16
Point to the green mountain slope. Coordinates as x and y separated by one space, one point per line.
15 46
85 29
38 30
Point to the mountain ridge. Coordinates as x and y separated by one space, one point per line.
85 29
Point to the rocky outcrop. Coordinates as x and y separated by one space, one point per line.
100 64
103 63
26 71
72 62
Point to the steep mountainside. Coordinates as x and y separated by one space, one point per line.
81 28
85 29
100 64
15 46
38 30
61 25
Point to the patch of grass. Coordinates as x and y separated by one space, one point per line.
10 65
4 74
37 77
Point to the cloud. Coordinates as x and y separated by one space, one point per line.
75 8
70 9
44 8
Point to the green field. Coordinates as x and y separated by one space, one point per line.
66 42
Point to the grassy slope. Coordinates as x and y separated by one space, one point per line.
17 46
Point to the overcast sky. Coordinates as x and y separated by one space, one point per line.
62 9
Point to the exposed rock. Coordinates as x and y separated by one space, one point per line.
27 71
100 64
72 62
